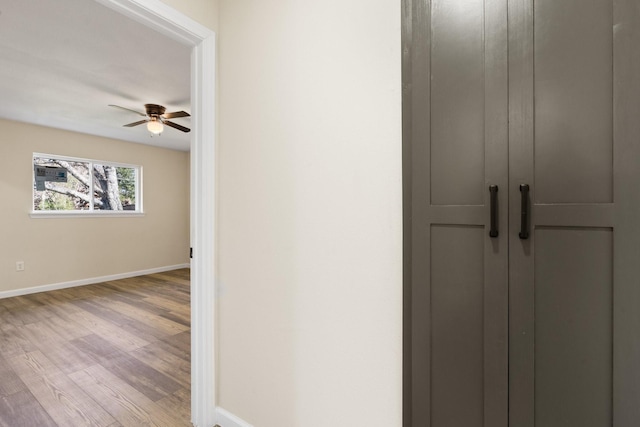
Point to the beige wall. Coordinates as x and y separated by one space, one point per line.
310 256
67 249
204 12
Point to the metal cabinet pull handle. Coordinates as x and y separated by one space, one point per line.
493 190
524 211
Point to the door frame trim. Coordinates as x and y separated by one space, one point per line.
202 41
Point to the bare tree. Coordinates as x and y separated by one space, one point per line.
105 186
106 192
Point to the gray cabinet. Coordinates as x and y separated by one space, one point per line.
542 331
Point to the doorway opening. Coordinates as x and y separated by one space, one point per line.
167 21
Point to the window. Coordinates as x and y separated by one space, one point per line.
71 185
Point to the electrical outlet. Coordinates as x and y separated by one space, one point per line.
19 265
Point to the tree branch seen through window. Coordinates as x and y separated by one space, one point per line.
108 187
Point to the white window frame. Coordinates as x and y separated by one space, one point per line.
139 211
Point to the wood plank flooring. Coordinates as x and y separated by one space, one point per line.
114 354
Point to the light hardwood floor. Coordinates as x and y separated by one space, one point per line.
111 354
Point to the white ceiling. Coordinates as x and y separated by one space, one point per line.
62 62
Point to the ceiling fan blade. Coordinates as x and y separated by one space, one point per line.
176 114
130 125
128 109
176 126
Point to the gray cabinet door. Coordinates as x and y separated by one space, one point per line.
459 100
574 284
542 331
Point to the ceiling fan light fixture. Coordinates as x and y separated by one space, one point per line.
156 118
155 126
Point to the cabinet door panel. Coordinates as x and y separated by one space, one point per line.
459 274
573 101
573 330
457 102
457 300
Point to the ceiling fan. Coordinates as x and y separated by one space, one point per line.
156 118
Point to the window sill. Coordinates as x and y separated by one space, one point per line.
85 214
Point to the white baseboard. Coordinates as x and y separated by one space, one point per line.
227 419
90 281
